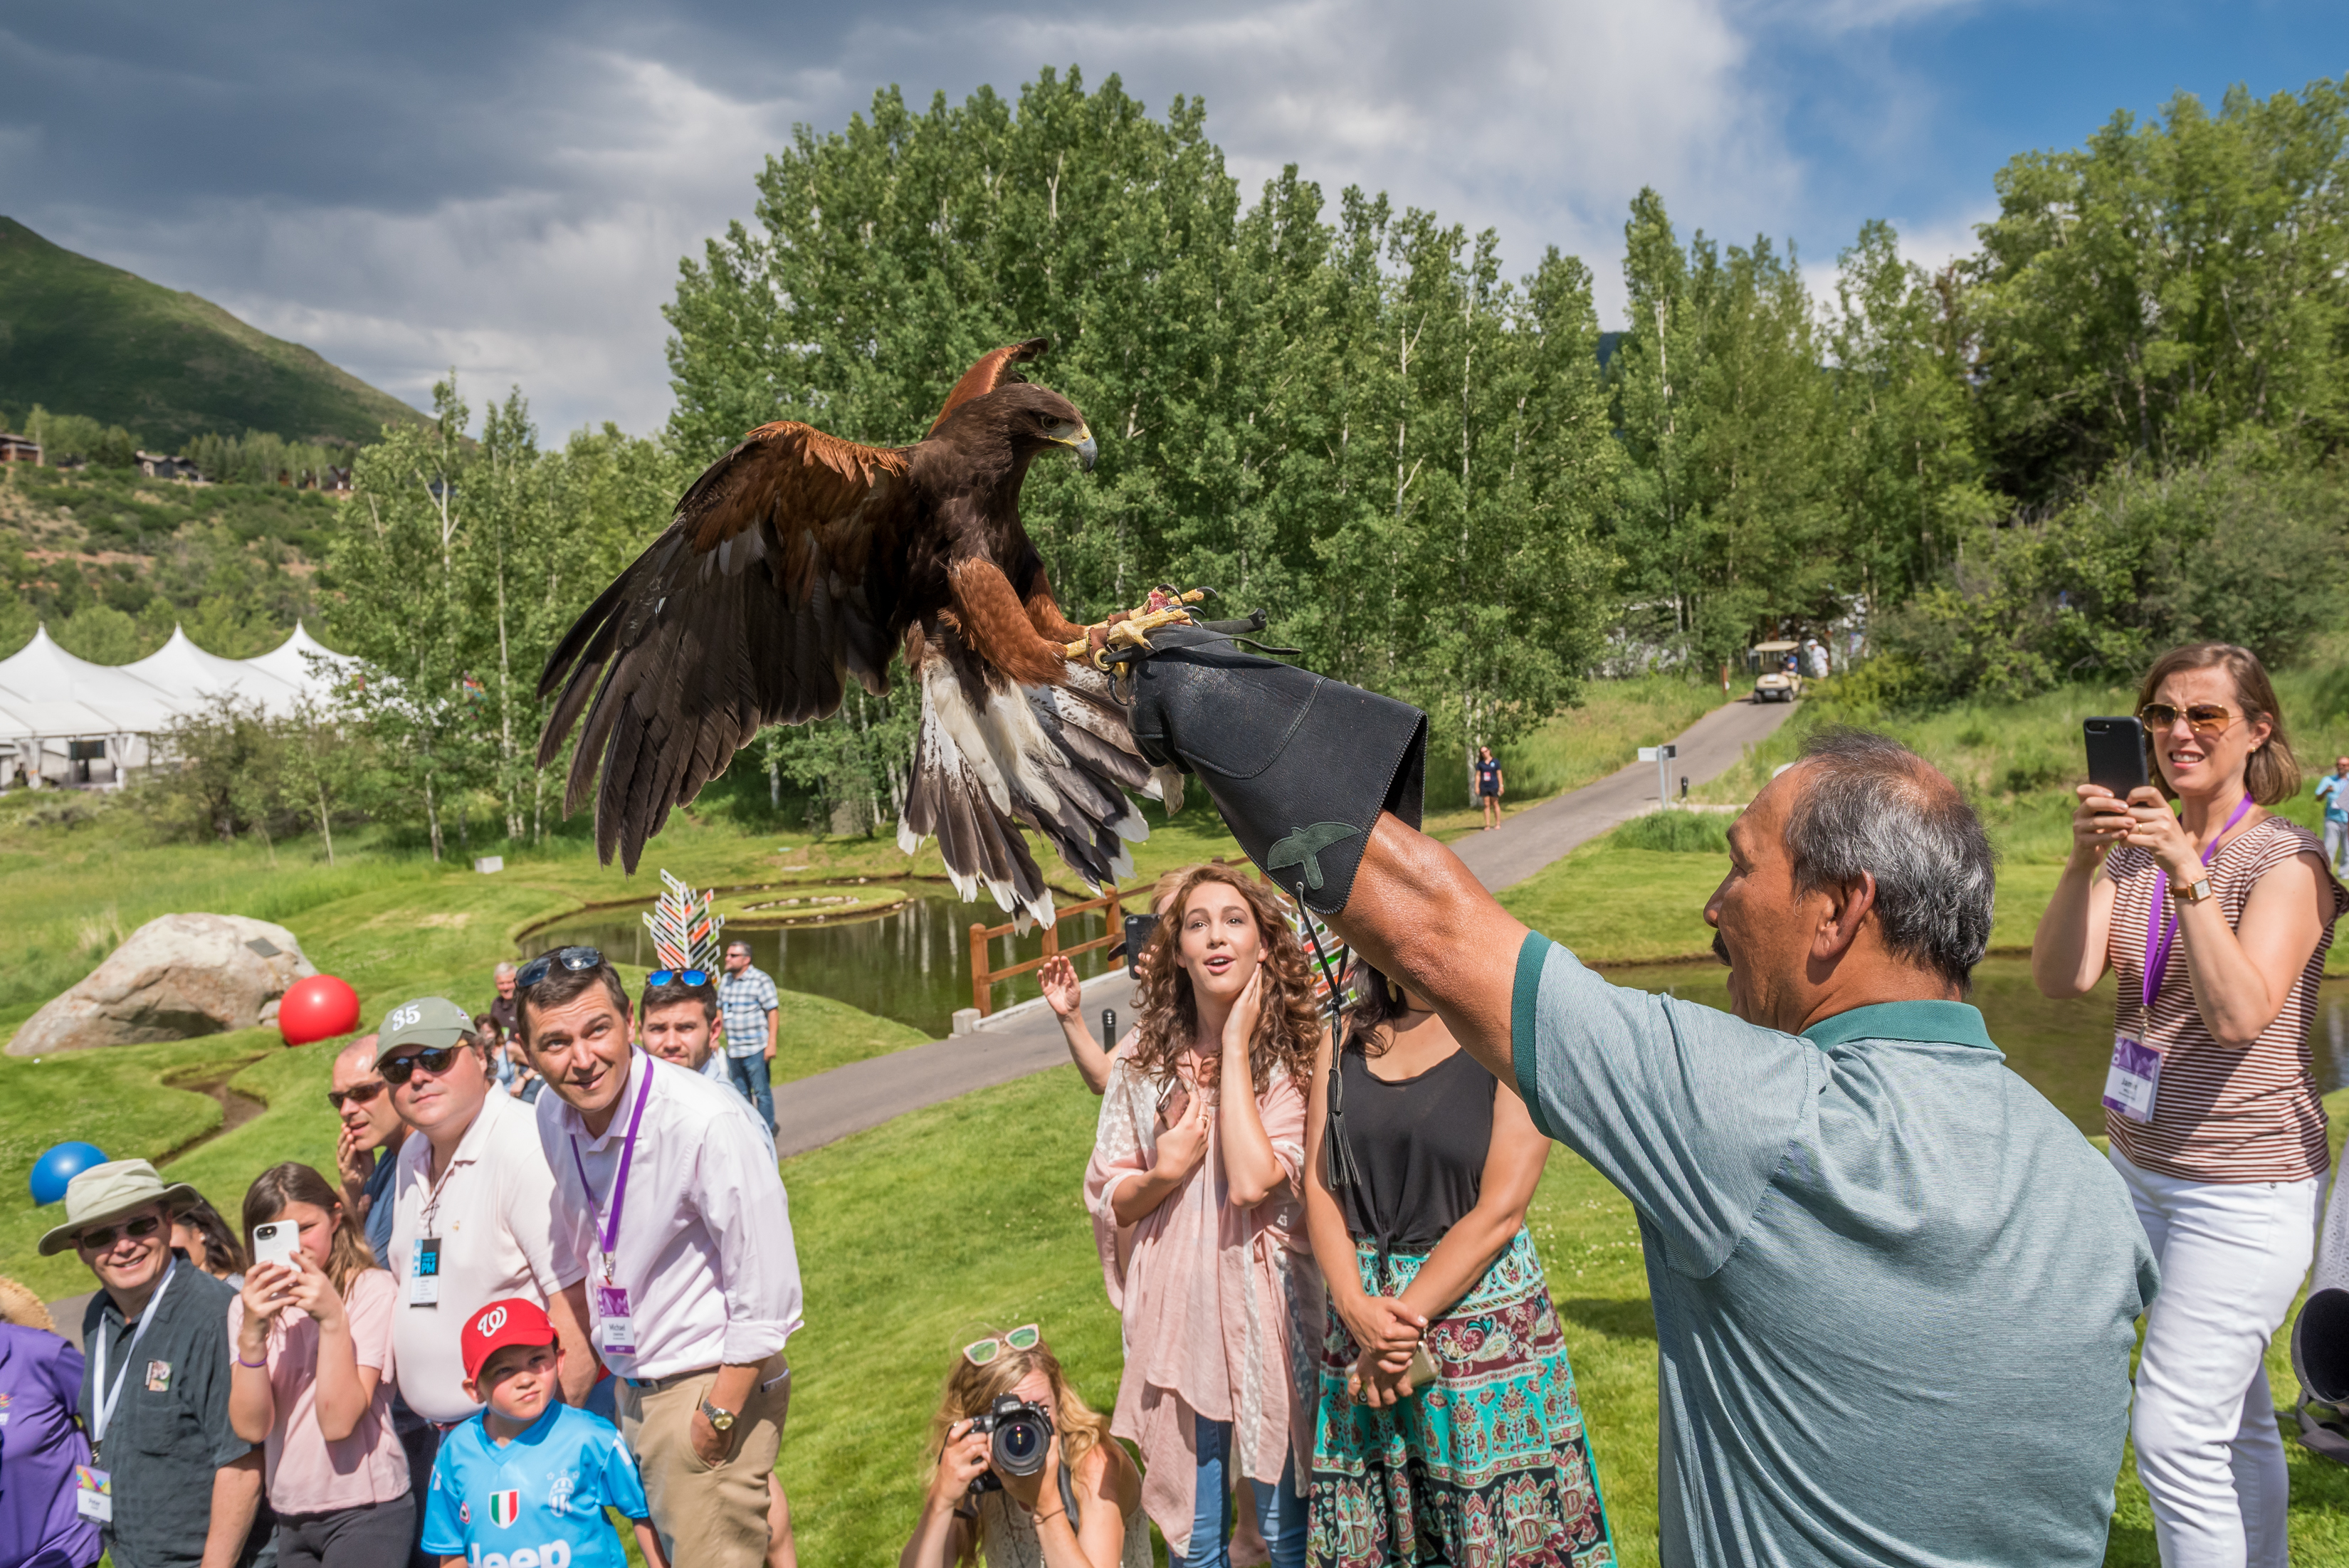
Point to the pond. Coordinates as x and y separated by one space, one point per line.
911 963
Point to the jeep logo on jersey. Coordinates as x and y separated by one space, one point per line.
504 1507
554 1554
489 1322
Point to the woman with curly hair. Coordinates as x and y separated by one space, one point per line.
1448 1432
1194 1190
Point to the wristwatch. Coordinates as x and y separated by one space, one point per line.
2192 893
720 1421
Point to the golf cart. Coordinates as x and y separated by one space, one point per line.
1778 672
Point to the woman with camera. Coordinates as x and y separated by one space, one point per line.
1194 1189
2214 919
1028 1473
313 1345
1448 1428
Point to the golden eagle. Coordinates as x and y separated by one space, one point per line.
797 560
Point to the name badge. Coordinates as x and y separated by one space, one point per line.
424 1273
2134 1078
619 1328
93 1494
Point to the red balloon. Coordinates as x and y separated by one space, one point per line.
318 1008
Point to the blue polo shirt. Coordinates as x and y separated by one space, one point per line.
537 1502
1895 1289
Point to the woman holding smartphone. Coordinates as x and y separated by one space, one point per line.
313 1338
1194 1189
2214 919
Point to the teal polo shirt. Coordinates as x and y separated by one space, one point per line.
1895 1289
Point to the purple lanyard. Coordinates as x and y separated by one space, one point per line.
2161 922
620 1180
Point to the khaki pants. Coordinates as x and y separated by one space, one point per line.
707 1517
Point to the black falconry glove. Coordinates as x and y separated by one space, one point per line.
1299 765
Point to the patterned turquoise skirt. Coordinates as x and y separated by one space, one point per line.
1489 1466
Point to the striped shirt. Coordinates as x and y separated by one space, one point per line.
744 1001
2221 1115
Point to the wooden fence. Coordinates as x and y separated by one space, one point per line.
982 937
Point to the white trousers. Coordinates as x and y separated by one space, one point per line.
2232 1257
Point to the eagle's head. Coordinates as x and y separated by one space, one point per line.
1032 419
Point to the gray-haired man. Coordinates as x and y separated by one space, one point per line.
1894 1288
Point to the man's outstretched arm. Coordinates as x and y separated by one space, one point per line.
1418 914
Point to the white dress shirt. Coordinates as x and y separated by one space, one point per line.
705 1247
500 1236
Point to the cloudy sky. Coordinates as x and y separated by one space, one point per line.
507 187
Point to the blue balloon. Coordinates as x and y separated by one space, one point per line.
60 1165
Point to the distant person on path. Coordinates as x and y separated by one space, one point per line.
2215 920
529 1477
40 1442
1199 1219
1848 1203
309 1383
1489 786
1418 1171
672 1206
367 1160
198 1231
503 1007
171 1484
1082 1509
472 1216
2332 790
749 1005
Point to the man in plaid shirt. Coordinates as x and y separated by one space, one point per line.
746 1010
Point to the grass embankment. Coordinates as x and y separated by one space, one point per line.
1616 719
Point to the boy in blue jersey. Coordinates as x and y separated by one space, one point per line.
525 1483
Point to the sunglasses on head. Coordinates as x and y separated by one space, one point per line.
677 977
573 959
2202 718
98 1240
432 1063
979 1352
358 1094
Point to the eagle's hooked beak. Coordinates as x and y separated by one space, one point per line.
1085 448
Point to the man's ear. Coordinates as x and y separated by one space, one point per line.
1848 907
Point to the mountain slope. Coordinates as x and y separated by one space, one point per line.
82 337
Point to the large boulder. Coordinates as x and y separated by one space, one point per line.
176 977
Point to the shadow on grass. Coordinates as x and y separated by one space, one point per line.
1623 1319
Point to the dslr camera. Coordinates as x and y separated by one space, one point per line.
1019 1435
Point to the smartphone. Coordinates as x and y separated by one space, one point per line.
2115 755
1138 928
274 1243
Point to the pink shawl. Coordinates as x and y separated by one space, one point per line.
1221 1306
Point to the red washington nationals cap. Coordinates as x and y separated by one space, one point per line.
513 1321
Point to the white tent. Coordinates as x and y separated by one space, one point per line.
63 713
192 676
302 662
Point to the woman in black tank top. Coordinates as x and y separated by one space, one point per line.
1420 1165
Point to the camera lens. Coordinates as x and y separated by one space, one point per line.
1019 1445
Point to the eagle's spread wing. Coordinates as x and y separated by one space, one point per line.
994 369
991 756
779 578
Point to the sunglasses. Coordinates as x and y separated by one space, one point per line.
573 959
677 977
358 1094
979 1352
432 1063
98 1240
2202 718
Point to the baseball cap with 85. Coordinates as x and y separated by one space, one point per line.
428 1023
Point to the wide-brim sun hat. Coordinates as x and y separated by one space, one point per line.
20 1307
109 1191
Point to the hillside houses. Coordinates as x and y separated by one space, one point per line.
19 450
157 465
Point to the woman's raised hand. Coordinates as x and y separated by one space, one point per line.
1063 993
1182 1145
962 1461
312 1291
263 1295
1239 1024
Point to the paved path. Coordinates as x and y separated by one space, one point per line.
814 1112
1523 844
